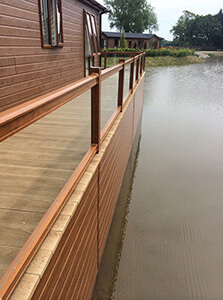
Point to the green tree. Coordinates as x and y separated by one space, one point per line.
183 30
131 15
219 42
204 32
123 43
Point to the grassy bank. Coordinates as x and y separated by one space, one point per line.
168 56
161 61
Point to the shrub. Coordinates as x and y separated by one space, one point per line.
169 52
123 43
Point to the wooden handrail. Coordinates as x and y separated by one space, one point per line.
105 52
128 61
17 118
110 71
121 52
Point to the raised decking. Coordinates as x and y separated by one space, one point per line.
37 162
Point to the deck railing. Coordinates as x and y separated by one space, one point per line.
15 119
106 54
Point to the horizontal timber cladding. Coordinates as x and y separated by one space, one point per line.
72 270
112 169
26 69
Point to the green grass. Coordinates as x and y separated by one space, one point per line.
162 61
111 61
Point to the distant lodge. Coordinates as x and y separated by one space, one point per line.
134 40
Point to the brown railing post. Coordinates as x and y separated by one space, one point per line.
100 60
137 70
131 83
121 83
105 59
96 109
144 61
141 64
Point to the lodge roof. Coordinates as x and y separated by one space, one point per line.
130 35
95 5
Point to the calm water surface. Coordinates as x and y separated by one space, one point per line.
169 242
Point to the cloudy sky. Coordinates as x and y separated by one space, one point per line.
169 11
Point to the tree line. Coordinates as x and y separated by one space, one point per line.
203 32
131 15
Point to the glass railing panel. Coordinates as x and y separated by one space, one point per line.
35 164
134 74
126 80
109 98
113 58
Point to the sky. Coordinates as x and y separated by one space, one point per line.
169 11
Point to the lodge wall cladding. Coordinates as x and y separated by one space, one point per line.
26 69
71 274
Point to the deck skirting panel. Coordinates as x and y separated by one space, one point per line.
112 169
73 268
138 103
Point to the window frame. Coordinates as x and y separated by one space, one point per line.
94 42
93 27
58 44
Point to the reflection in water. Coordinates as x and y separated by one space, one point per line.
107 275
174 239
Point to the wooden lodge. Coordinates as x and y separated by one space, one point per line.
39 54
67 125
134 40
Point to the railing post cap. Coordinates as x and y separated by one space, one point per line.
95 70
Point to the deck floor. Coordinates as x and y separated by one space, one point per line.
36 163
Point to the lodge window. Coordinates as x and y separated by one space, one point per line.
92 46
130 43
51 23
104 43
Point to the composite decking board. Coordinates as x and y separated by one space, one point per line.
22 203
7 253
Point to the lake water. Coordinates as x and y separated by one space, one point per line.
166 241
